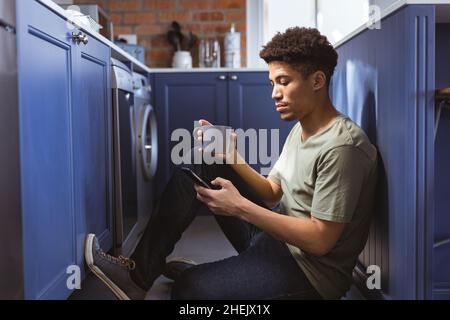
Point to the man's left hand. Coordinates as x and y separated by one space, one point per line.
226 201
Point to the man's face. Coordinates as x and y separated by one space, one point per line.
293 95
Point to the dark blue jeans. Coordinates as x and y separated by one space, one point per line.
263 269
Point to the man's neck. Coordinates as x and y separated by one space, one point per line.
319 120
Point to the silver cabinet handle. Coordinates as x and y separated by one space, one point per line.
76 37
85 39
234 77
222 77
80 38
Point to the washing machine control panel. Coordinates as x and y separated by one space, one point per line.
122 79
141 85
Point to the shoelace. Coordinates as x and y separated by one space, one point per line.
127 262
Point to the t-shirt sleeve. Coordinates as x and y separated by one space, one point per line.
275 174
339 182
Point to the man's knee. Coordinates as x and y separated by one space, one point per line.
179 187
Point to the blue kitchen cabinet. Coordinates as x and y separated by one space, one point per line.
385 81
179 100
64 147
252 109
46 70
239 99
92 144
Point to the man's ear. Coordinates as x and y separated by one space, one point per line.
319 80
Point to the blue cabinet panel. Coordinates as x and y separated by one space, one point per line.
181 99
45 73
92 144
251 107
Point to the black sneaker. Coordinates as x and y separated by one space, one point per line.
175 267
114 272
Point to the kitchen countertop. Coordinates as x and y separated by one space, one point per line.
176 70
442 15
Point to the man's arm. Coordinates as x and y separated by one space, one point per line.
267 190
312 235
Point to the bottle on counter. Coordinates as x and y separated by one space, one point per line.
209 53
232 48
216 54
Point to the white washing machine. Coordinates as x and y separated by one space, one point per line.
136 155
146 148
125 195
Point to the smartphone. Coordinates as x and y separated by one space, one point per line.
195 178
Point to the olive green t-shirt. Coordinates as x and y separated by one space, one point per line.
330 176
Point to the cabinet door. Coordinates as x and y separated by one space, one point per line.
45 82
92 143
251 107
181 99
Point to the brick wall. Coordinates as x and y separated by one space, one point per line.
151 19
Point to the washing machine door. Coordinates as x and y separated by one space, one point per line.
148 143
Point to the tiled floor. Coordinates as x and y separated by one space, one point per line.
202 242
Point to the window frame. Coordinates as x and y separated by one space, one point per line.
255 33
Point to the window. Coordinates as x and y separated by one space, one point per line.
282 14
335 19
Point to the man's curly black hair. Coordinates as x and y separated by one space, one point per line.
305 49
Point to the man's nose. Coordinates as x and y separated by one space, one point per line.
276 93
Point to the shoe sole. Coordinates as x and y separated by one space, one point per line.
98 273
182 260
177 260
